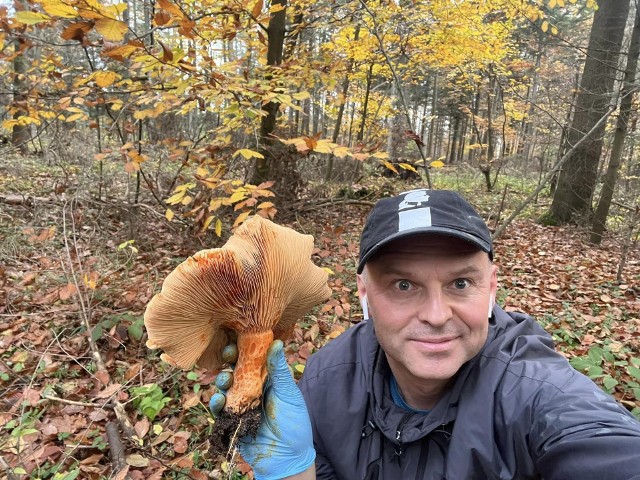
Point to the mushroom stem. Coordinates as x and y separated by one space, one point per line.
250 372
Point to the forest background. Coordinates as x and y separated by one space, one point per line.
136 133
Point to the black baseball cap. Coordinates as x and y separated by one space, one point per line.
422 211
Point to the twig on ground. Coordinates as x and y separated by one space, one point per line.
5 466
53 398
85 315
116 448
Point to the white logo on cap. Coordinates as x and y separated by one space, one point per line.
413 211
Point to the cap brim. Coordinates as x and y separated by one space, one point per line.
484 246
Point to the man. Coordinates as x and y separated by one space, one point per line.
439 382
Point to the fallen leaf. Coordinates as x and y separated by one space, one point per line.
142 427
137 460
92 459
108 391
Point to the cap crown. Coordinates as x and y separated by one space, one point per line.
422 211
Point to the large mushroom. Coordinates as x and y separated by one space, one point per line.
251 290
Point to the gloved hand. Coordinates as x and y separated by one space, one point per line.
283 445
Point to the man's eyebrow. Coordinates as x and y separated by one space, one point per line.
467 270
457 272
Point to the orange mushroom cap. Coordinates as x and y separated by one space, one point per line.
261 281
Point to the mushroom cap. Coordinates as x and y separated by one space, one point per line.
261 279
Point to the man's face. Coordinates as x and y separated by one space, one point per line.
429 298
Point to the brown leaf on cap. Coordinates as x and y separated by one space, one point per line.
253 289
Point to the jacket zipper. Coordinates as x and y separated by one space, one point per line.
398 450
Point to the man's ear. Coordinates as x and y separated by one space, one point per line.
493 289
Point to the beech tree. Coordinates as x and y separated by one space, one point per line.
576 183
624 116
207 107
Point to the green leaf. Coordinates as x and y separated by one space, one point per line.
594 372
192 376
136 330
96 333
610 382
596 354
581 363
634 372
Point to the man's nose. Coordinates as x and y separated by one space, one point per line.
435 309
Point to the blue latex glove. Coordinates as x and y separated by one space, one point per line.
283 445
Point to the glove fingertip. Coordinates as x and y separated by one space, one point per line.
275 357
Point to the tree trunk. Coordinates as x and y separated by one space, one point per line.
453 155
345 91
20 134
475 137
530 126
463 134
275 38
365 105
611 177
576 183
485 167
432 123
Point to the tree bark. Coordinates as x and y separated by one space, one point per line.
576 182
611 176
275 49
432 123
20 134
453 153
345 91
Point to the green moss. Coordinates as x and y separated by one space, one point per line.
547 219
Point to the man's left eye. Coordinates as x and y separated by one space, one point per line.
461 283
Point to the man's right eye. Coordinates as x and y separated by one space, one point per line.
403 285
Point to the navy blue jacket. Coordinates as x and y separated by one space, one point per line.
517 410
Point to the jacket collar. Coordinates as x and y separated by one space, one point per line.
387 416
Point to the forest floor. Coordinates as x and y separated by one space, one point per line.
70 278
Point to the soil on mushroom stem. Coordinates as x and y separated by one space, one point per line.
231 427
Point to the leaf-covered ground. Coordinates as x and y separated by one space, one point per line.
68 274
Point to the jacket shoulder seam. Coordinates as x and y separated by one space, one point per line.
559 388
330 367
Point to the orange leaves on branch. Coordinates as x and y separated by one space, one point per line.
306 145
111 29
257 9
106 78
121 52
76 31
161 18
415 137
31 18
58 8
170 7
167 54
